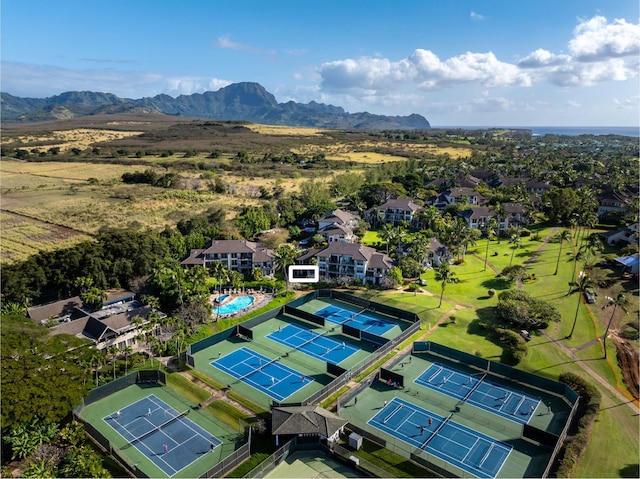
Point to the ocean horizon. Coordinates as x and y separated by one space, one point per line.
560 130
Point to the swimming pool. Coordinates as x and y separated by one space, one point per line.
236 304
221 298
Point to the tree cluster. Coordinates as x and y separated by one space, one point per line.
522 311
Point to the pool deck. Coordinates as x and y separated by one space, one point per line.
259 300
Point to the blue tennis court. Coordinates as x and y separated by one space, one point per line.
460 446
361 321
265 374
484 394
165 436
313 344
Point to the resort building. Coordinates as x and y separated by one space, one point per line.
350 260
237 255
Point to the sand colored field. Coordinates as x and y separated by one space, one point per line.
22 237
369 152
284 130
82 138
17 175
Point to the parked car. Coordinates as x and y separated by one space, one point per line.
590 297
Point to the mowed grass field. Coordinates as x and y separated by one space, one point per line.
550 352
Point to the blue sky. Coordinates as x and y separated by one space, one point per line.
456 62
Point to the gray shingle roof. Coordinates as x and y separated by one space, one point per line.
305 420
54 310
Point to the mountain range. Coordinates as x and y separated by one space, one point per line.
246 101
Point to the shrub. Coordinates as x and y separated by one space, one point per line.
491 293
515 349
630 334
589 406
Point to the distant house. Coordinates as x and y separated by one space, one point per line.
630 264
339 217
630 234
532 186
350 260
338 233
613 202
478 217
515 216
436 254
460 195
463 181
236 255
338 226
301 421
394 211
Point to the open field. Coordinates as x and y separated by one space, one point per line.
66 140
23 237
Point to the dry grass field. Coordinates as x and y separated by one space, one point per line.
285 130
23 237
84 192
66 140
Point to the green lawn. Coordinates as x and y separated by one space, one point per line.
616 428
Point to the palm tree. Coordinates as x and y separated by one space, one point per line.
113 351
387 234
501 214
592 245
127 350
100 361
445 276
562 237
284 255
490 229
620 300
584 281
220 272
515 240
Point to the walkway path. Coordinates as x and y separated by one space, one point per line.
593 374
216 394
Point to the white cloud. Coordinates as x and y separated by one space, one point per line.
225 42
27 80
596 40
423 69
600 51
543 58
477 16
630 102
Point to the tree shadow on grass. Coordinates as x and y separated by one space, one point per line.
496 283
484 326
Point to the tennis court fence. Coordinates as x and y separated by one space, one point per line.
343 379
155 376
366 304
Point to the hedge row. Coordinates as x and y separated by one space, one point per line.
589 406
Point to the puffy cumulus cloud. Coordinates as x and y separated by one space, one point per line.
600 52
189 85
543 58
422 69
596 39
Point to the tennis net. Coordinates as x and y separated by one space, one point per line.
435 433
314 336
157 428
259 368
